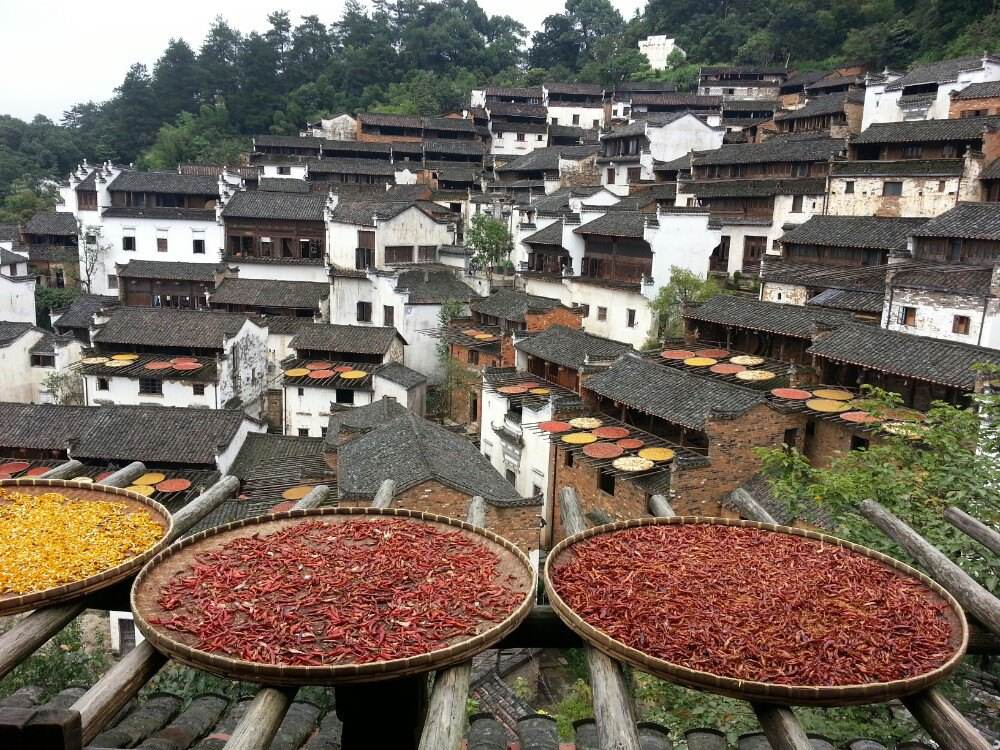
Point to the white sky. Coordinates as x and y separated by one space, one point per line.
57 53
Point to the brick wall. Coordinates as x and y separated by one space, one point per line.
579 173
462 394
557 316
986 106
829 439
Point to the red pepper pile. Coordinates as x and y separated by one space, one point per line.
755 605
319 593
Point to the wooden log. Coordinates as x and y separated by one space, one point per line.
383 498
659 506
782 729
749 507
64 471
444 724
261 721
975 599
22 640
125 476
613 708
974 528
316 497
188 517
944 722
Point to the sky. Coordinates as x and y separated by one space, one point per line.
61 52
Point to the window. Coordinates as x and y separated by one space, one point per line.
398 254
586 310
303 432
626 110
797 204
112 281
576 119
907 316
161 244
568 458
630 318
345 396
91 239
87 200
606 481
388 315
536 490
949 151
602 313
198 389
960 324
151 386
128 243
301 391
427 253
893 188
198 247
266 247
634 174
555 120
43 360
510 476
849 187
473 357
791 437
859 443
284 170
322 431
913 151
540 137
364 312
611 176
103 384
520 136
597 124
800 170
364 258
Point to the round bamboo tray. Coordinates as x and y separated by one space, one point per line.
176 559
761 692
13 603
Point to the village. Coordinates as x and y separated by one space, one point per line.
559 306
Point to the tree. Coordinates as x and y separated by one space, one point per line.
490 242
456 376
134 115
64 388
92 256
684 286
175 80
26 199
205 138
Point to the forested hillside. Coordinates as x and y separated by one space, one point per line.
202 98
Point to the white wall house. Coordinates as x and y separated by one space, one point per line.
656 139
411 233
657 50
518 454
17 288
307 407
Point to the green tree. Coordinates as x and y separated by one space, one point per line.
205 138
684 287
134 115
63 661
25 199
175 80
491 243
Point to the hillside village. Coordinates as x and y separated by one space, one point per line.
326 312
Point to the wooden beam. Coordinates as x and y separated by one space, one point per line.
188 517
124 476
944 722
22 640
975 599
64 471
261 721
316 497
782 729
974 529
613 709
659 506
383 498
444 724
747 505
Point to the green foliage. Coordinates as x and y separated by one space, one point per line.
52 298
684 286
491 243
64 661
576 704
64 388
205 138
26 198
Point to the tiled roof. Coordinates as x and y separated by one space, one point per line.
820 105
408 121
11 331
283 141
882 233
777 149
8 258
770 317
508 304
451 146
550 235
694 101
991 171
161 326
505 109
330 337
755 188
165 182
547 159
161 269
270 293
351 165
367 147
639 126
670 394
587 89
959 129
262 204
983 90
411 450
517 92
160 212
363 213
558 201
970 221
569 347
401 375
283 185
936 72
899 168
81 310
709 70
616 224
430 287
976 280
849 299
52 222
153 434
261 449
9 232
934 360
53 254
354 419
820 276
208 372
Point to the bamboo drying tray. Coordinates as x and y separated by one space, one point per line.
176 559
761 692
13 603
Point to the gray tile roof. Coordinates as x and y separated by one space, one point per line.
283 185
8 258
330 337
260 450
959 129
363 213
550 235
270 293
81 310
693 101
971 221
153 434
950 279
770 317
899 168
60 223
411 450
777 149
984 90
505 109
547 159
590 89
991 171
11 331
508 304
53 254
165 182
569 347
401 375
451 146
262 204
161 326
161 269
818 106
431 287
9 232
883 233
817 275
934 360
294 141
671 394
160 212
558 201
349 165
755 188
849 299
354 419
616 224
942 71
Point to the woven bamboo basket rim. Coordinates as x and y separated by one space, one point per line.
11 604
763 692
334 674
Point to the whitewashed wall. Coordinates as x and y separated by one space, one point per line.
125 390
17 297
311 410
